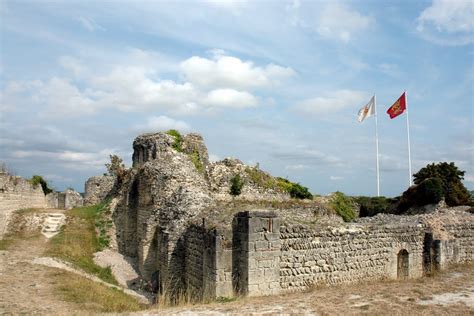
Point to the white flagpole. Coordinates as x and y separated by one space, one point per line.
408 137
377 145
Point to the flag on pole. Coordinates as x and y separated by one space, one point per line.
398 107
367 111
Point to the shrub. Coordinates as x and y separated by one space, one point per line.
116 166
454 191
178 140
344 206
38 180
298 191
430 191
236 185
371 206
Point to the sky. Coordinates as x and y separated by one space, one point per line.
273 83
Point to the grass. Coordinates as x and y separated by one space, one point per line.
5 244
196 159
77 242
93 296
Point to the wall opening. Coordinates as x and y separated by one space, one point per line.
402 264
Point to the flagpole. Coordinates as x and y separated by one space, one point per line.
377 145
408 137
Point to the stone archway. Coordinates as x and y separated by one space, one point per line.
402 264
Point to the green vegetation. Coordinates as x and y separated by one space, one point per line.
39 180
266 181
178 140
236 185
371 206
196 159
343 205
454 192
94 296
116 167
296 190
77 242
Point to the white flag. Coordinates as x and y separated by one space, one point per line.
367 110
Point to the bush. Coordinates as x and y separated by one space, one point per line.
298 191
116 166
344 206
430 191
38 180
371 206
454 191
236 185
178 140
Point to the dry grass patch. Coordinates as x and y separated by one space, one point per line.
93 296
77 242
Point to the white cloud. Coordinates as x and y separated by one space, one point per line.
90 24
163 123
231 72
447 22
335 178
332 102
339 22
133 87
230 98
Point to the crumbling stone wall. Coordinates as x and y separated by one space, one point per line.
17 193
97 188
64 200
347 254
220 174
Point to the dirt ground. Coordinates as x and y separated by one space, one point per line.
448 293
27 288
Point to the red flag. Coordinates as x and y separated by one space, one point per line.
398 107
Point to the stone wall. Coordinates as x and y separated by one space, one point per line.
64 200
347 254
17 193
97 189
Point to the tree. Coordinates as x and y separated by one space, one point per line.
115 167
455 193
39 180
236 185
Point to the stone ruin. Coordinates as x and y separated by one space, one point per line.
18 193
173 213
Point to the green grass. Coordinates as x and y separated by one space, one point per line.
93 296
77 242
344 206
178 140
197 161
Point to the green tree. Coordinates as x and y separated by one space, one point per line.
455 193
236 185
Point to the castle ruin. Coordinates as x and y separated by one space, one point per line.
173 213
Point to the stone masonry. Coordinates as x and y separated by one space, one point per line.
160 218
17 193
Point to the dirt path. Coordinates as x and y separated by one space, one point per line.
24 286
448 293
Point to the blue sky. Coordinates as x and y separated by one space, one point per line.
277 83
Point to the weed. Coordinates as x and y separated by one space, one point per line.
178 140
93 296
196 159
